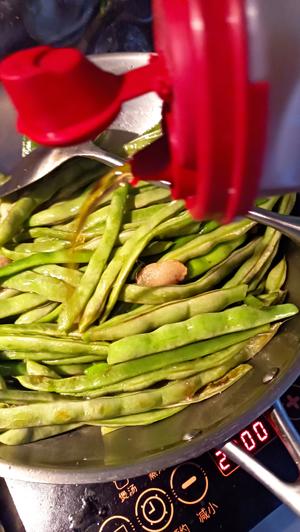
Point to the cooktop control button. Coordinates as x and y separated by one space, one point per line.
117 523
291 401
121 484
154 510
189 483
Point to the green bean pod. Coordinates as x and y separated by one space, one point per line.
119 267
52 345
203 244
70 411
35 196
50 288
55 257
35 314
277 276
133 293
28 435
201 327
88 282
169 313
20 303
133 368
220 252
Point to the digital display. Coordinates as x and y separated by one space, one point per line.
252 439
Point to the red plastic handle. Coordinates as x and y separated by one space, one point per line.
63 98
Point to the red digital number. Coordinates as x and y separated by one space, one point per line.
247 440
223 463
252 439
260 431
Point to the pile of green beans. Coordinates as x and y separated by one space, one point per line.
82 344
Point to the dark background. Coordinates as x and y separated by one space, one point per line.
94 26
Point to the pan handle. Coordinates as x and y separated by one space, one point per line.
288 493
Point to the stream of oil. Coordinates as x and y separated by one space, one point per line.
106 184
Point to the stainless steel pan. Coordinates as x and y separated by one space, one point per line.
83 456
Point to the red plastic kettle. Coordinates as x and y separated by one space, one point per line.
228 72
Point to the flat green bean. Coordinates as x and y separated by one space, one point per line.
133 293
50 288
182 225
68 275
54 257
11 396
273 298
59 212
133 368
169 313
200 265
35 368
203 244
181 241
71 360
93 220
218 385
118 269
67 370
143 214
51 316
136 202
276 276
52 345
201 327
120 318
45 233
95 369
180 334
51 359
200 229
69 411
182 370
35 329
149 197
91 244
41 247
269 255
169 225
215 387
35 196
135 420
13 255
35 314
5 293
20 303
28 435
156 248
88 283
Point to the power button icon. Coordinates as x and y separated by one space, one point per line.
154 510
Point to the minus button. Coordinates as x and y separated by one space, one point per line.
188 482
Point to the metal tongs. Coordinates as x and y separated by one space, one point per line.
41 161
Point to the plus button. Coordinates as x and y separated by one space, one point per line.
292 401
